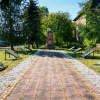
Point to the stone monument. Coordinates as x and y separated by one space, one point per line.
50 42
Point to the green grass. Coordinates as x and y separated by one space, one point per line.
13 62
89 61
42 47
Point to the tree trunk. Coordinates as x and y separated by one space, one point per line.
57 42
28 45
33 45
37 44
67 43
12 47
11 26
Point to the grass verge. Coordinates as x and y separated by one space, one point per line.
13 62
90 61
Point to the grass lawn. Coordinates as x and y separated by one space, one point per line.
13 63
89 61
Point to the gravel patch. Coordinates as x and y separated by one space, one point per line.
10 78
89 74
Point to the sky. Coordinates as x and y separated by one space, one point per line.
70 6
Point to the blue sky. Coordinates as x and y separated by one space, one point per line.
70 6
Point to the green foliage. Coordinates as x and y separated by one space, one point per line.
44 12
61 26
32 23
91 31
6 3
89 43
11 23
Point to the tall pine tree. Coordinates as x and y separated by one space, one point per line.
32 23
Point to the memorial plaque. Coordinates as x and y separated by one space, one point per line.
22 50
11 53
87 53
2 67
29 49
71 48
1 63
78 49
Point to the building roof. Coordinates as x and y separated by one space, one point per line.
77 17
94 4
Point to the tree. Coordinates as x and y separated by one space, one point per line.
10 17
61 26
91 31
44 11
32 23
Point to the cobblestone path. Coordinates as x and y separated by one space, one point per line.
51 78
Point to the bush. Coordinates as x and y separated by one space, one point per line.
89 43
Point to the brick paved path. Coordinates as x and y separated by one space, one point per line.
51 78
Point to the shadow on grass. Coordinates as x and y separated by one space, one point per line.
59 49
27 52
78 56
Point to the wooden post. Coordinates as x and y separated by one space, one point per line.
5 54
93 54
9 55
